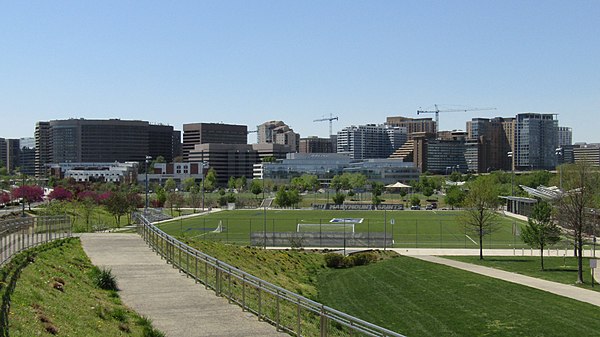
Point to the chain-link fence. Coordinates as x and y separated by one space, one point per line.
320 232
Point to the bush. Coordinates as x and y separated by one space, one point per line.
104 279
334 260
361 259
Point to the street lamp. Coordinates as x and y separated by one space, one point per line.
23 194
559 153
204 165
512 176
148 158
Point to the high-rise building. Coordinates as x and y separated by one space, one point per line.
316 145
277 132
536 140
100 141
235 160
27 156
10 154
587 153
364 141
215 133
565 136
494 143
412 125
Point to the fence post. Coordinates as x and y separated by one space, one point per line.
323 322
299 332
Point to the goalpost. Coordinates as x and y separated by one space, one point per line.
325 227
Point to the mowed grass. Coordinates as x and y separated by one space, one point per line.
427 229
418 298
556 269
50 291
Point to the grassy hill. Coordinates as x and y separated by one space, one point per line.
49 290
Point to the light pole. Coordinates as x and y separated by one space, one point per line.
512 176
559 153
204 165
148 158
23 194
264 209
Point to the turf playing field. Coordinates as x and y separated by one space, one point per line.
419 229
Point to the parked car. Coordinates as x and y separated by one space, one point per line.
429 207
415 207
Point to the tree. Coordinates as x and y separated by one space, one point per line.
428 191
4 198
339 198
161 196
580 183
541 230
87 204
116 204
481 204
170 185
454 196
29 194
60 194
256 187
194 197
415 200
311 182
240 183
188 183
281 198
175 201
231 183
210 180
134 201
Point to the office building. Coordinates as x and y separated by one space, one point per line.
536 140
277 132
365 141
587 153
236 160
101 141
412 125
114 172
565 136
494 143
216 133
316 145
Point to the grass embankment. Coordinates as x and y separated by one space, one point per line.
556 269
49 290
418 298
411 229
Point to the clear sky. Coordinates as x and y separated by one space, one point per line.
247 62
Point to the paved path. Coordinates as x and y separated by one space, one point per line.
176 304
565 290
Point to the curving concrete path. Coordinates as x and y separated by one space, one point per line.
176 304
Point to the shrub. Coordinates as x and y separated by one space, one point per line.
334 260
104 279
361 259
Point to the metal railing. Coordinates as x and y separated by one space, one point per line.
20 234
287 311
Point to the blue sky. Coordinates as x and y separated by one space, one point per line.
247 62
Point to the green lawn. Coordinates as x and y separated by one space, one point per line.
557 269
418 298
412 229
77 309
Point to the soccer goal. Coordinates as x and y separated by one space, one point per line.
325 227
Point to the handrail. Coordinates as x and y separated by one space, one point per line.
20 234
286 310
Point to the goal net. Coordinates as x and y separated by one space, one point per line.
325 227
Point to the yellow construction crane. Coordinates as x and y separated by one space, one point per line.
437 113
330 119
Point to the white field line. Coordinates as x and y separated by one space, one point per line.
468 237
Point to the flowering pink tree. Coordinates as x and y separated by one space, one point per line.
60 193
29 194
5 198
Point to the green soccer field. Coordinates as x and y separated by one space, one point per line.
409 229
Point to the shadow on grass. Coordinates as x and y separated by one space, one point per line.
505 260
559 270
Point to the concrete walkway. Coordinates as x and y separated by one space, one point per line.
565 290
176 304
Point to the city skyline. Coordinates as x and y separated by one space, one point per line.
247 63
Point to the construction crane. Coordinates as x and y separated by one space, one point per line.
330 119
437 113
